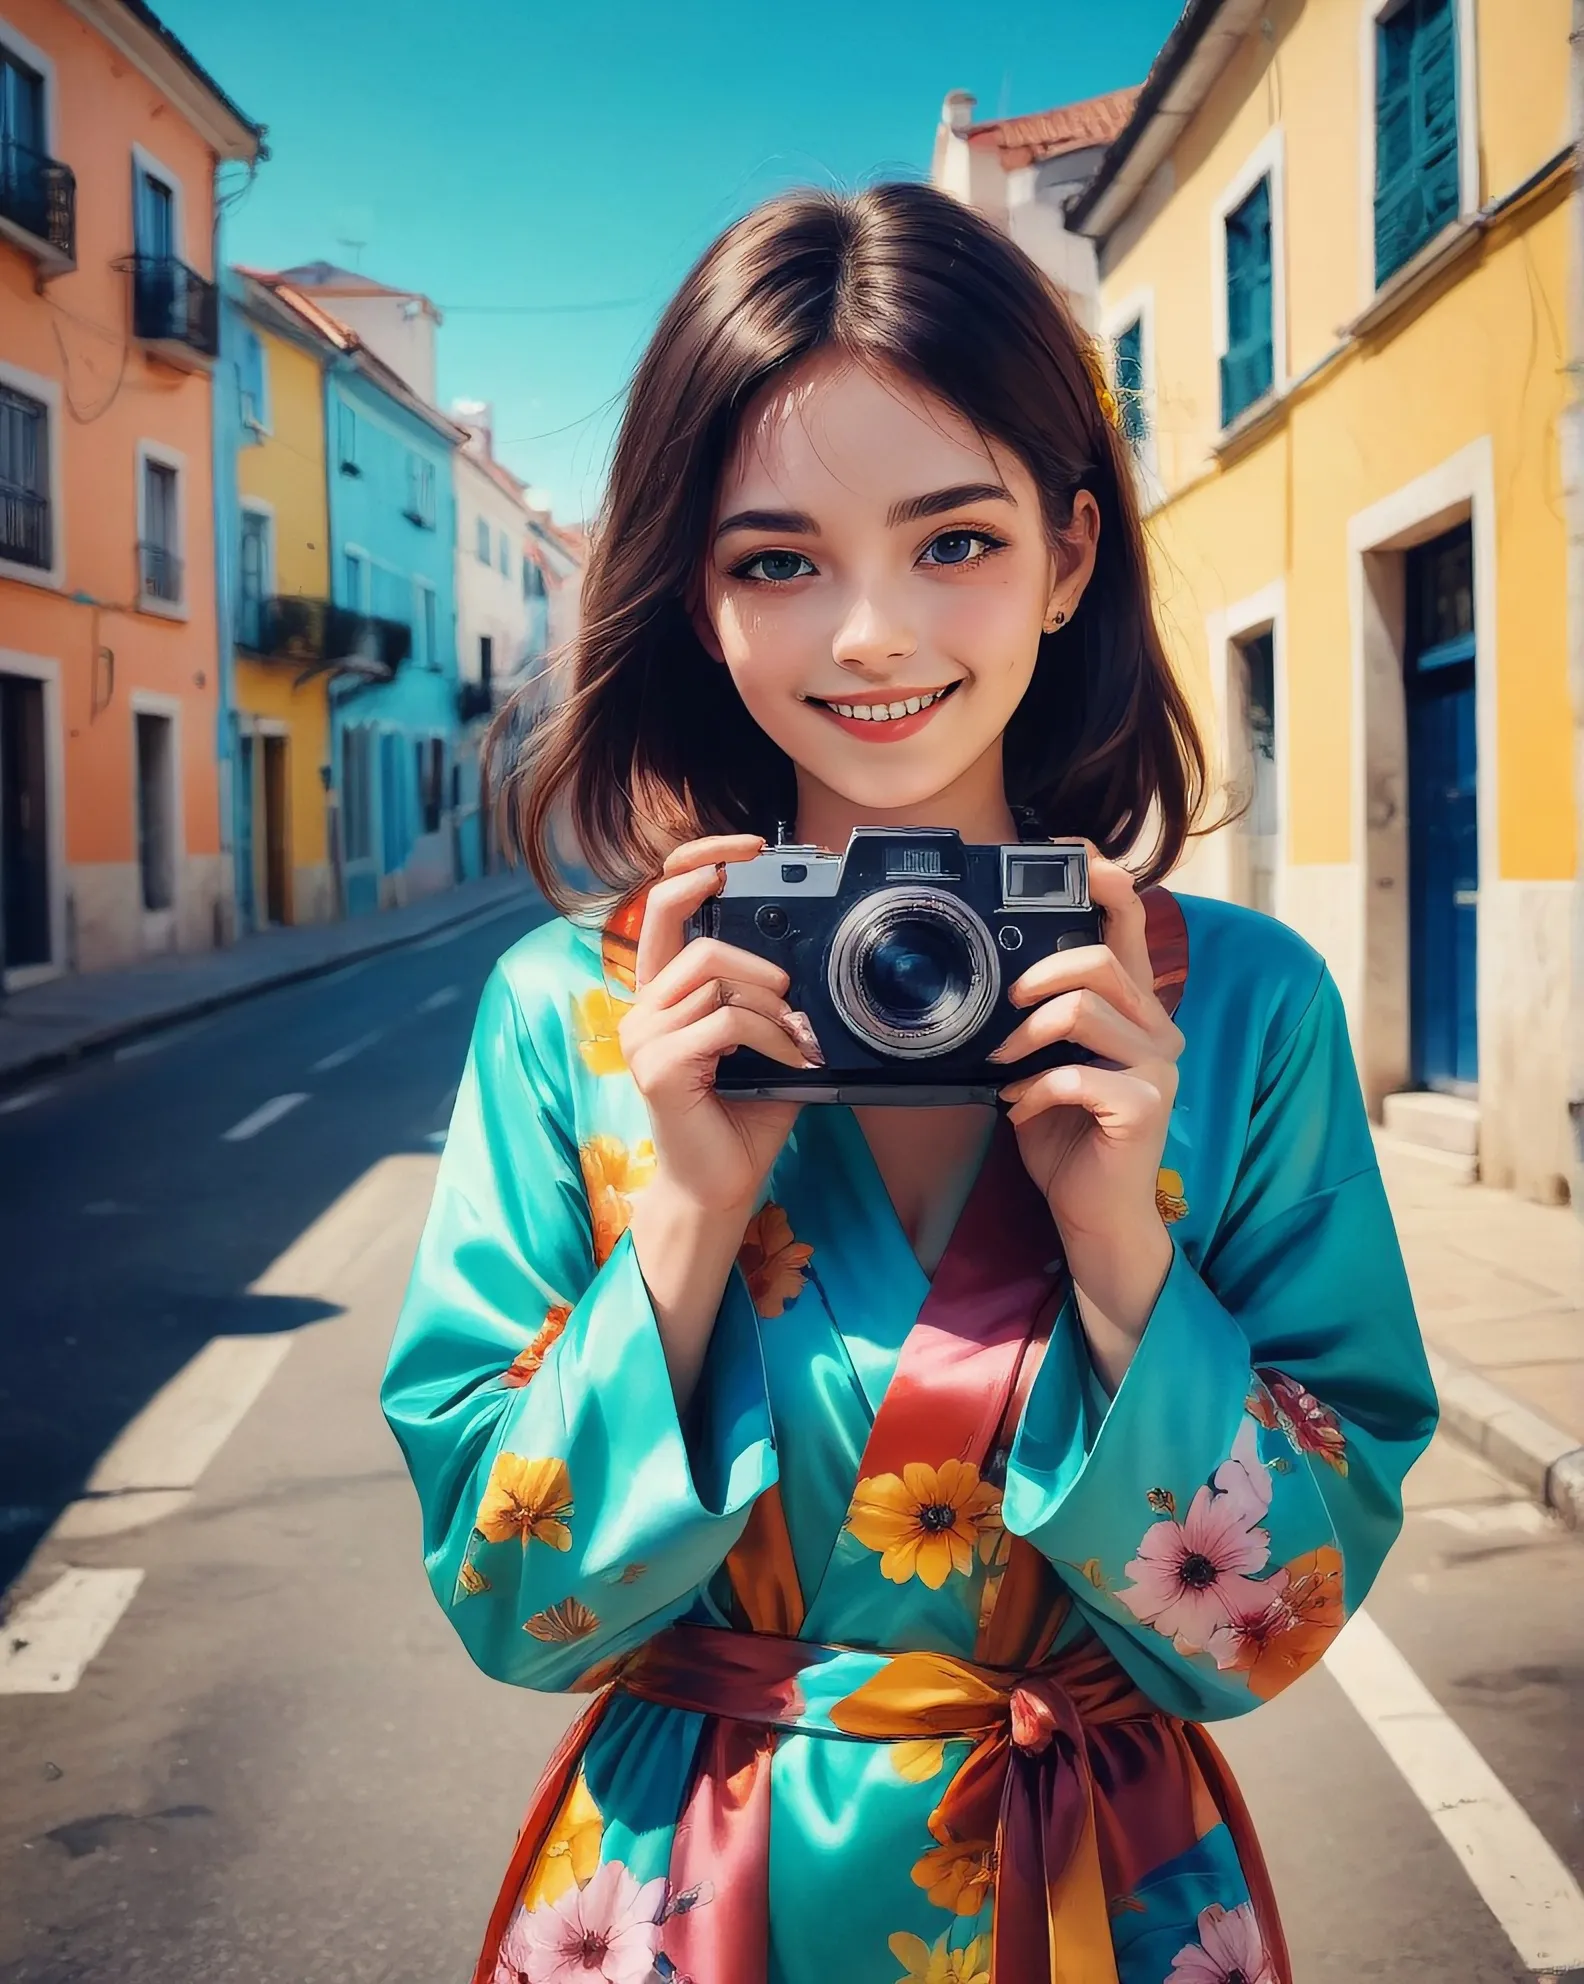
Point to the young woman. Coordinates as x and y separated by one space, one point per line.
909 1484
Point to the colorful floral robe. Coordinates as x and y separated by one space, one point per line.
911 1626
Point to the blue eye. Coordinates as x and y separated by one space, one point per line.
777 567
955 547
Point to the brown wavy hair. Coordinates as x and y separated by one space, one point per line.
651 744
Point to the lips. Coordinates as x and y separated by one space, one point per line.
881 710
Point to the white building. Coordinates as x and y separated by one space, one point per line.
1020 172
495 584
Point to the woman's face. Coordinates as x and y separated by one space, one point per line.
871 554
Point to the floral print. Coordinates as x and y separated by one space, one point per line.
1276 1642
524 1499
927 1521
1190 1578
619 941
1169 1200
940 1965
571 1850
595 1017
563 1623
600 1934
525 1365
772 1261
1282 1404
611 1171
956 1874
1229 1950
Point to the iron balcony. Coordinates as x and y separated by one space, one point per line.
25 536
175 309
38 207
315 635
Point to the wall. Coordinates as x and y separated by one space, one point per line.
114 395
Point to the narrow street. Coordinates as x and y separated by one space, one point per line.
279 1767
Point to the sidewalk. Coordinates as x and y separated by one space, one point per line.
54 1023
1499 1285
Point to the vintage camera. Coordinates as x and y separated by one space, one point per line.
901 952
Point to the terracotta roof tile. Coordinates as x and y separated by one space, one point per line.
1070 127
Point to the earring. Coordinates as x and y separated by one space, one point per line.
1052 625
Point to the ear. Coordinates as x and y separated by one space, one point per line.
1073 560
704 627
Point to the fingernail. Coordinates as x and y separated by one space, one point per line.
998 1053
801 1028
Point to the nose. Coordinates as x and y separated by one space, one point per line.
872 636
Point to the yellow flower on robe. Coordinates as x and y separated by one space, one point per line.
595 1018
1169 1200
612 1171
525 1365
524 1499
958 1874
927 1522
772 1261
563 1623
571 1853
941 1965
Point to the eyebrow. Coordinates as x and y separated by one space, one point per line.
798 523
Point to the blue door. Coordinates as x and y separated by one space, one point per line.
1443 820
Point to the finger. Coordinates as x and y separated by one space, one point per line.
707 958
1087 1020
646 1022
1114 889
708 849
676 1064
1125 1102
669 905
1095 968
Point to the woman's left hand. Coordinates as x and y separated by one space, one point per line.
1091 1134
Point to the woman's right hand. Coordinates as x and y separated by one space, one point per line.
695 1002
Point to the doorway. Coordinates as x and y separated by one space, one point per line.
1253 711
24 827
1443 826
277 861
156 811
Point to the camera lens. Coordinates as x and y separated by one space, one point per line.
912 971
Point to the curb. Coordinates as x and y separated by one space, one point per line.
1542 1458
112 1033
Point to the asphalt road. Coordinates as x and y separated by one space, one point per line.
280 1768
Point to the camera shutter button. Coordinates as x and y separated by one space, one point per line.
771 920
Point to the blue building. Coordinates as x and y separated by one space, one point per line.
388 459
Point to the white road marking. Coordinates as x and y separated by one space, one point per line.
46 1644
156 1043
352 1049
1521 1881
446 996
262 1117
12 1103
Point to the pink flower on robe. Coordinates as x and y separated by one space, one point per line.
601 1934
1229 1950
1190 1578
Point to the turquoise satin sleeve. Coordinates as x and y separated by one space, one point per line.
620 1513
1298 1277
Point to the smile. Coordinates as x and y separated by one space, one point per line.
884 713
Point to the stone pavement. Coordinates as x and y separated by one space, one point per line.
1499 1285
54 1023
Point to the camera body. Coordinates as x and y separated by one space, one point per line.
901 951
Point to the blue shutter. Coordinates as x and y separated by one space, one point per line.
1248 366
1416 129
1129 372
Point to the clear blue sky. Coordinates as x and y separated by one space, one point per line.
513 153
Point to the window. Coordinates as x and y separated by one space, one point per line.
483 545
427 621
1416 129
253 382
347 439
156 809
159 543
420 491
25 533
1248 363
22 145
253 579
357 799
354 580
1254 690
153 216
486 660
1129 374
533 579
430 757
505 556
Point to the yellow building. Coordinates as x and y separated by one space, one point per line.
1333 268
278 545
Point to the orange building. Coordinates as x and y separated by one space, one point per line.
111 136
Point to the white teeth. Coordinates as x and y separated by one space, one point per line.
885 712
915 704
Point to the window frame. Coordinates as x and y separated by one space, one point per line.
256 506
483 540
260 424
1371 13
146 165
426 624
422 490
1268 160
346 437
47 392
1138 307
362 604
30 56
160 455
149 702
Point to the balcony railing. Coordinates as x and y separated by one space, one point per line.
174 305
315 635
39 195
25 536
159 573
